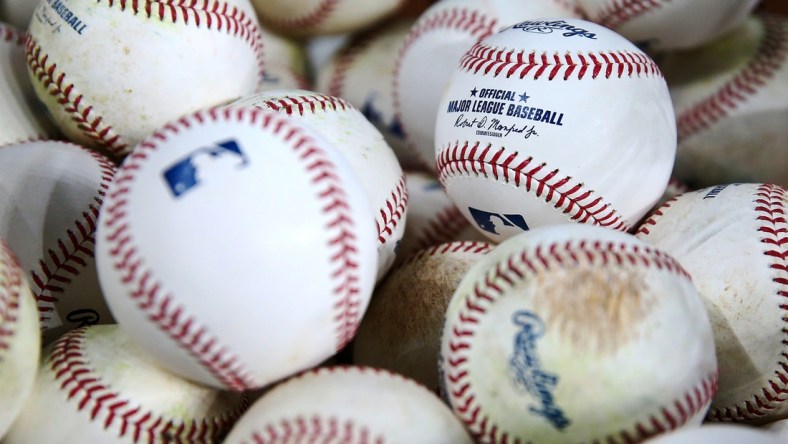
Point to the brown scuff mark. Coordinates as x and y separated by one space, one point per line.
597 309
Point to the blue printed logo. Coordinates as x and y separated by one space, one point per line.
192 170
370 111
489 221
548 26
526 370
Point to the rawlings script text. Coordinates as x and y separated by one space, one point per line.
547 27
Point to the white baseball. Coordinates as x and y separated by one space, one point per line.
23 117
17 13
321 17
778 428
731 101
20 340
50 196
717 434
577 333
552 121
669 24
233 220
362 73
349 405
433 48
105 89
432 217
365 149
731 239
95 385
401 329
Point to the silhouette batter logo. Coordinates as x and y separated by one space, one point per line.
192 170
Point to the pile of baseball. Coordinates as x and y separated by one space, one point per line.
393 221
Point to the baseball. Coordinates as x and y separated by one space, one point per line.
401 328
432 50
20 340
105 89
321 17
554 121
717 434
778 428
23 118
50 196
95 385
363 146
352 405
744 291
549 336
731 104
669 24
230 219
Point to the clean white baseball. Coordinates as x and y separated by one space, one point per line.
105 89
349 405
433 48
95 385
731 103
230 221
362 73
321 17
432 217
20 340
551 121
50 196
731 239
365 150
577 333
23 117
669 24
402 326
717 434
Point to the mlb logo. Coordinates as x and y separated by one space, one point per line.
496 223
202 164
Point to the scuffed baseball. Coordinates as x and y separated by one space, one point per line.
349 404
553 121
20 339
730 238
231 221
50 196
433 48
669 24
23 117
365 150
731 101
401 329
95 385
717 434
322 17
106 89
576 333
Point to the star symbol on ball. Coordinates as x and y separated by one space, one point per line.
524 97
474 91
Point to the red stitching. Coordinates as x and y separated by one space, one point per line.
308 21
571 197
10 34
10 284
161 307
459 386
346 58
769 58
210 13
444 227
451 247
74 251
769 202
644 230
392 211
485 59
618 12
84 386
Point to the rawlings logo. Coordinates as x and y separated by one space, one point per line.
547 27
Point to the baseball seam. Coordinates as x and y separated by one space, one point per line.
12 35
487 60
459 385
652 219
447 224
393 209
769 201
10 284
162 308
474 23
213 14
755 75
450 247
619 12
73 374
562 192
75 250
308 21
345 60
